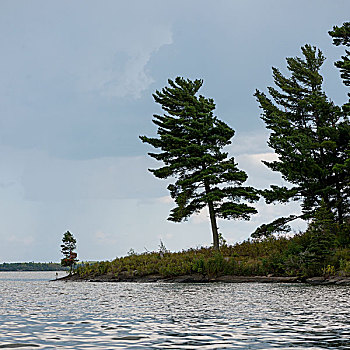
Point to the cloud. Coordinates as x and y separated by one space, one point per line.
7 184
259 175
122 71
76 91
165 199
167 236
130 81
201 217
103 238
75 75
129 77
22 241
45 178
249 142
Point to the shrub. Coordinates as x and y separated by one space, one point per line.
344 268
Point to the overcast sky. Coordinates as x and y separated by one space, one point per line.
76 87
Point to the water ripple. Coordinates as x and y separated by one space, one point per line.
35 313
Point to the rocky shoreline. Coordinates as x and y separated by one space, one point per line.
197 278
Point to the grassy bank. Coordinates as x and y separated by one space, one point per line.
306 254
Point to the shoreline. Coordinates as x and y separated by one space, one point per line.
197 278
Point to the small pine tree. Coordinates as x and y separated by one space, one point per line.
67 249
322 237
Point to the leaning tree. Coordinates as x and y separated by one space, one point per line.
311 136
191 141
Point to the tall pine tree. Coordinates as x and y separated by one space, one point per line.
311 137
341 36
191 140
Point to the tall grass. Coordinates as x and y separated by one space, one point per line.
279 256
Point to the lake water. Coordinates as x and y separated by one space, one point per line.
36 313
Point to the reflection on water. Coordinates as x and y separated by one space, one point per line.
36 313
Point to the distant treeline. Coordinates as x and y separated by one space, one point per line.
31 266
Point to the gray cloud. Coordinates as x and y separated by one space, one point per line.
75 94
46 179
66 68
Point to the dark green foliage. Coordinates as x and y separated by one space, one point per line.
191 140
313 253
205 261
249 258
279 225
67 249
31 266
341 36
343 234
322 239
311 137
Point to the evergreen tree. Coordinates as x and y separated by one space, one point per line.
67 249
321 235
191 139
341 36
311 138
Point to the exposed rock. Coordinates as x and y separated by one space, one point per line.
333 280
261 279
198 278
343 282
315 280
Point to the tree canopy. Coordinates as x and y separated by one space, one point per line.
67 249
341 36
191 140
311 136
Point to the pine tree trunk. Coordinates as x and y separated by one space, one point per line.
212 216
214 227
